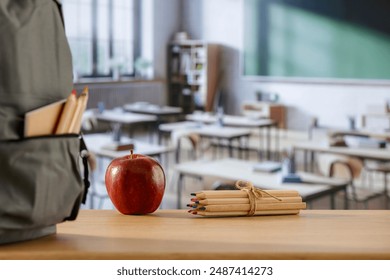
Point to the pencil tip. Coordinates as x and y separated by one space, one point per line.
85 90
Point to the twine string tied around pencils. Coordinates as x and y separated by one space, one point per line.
253 193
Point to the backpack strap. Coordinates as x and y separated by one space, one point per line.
84 153
59 5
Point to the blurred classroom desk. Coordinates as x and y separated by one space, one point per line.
155 110
367 116
313 186
176 235
209 131
221 133
162 113
119 117
378 134
382 155
96 142
168 128
244 122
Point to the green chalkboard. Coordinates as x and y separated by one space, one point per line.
301 39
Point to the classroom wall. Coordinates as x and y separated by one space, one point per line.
331 103
166 22
160 20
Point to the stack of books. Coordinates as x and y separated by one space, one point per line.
216 203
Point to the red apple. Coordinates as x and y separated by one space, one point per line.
135 184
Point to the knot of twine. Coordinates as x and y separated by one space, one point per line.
253 193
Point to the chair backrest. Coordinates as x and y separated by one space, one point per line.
349 168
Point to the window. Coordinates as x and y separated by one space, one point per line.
102 35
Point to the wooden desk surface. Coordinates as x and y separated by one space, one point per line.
176 234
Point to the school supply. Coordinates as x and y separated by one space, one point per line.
40 176
246 201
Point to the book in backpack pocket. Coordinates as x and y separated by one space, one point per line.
61 117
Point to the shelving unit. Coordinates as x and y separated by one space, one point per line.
193 70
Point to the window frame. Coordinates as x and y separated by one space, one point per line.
94 41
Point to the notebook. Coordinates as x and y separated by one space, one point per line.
44 120
267 166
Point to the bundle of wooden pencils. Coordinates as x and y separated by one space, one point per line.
71 116
246 201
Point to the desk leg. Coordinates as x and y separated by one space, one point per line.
269 143
201 140
240 146
221 148
293 161
261 143
157 128
177 152
151 128
312 159
159 137
230 148
131 131
364 121
179 189
305 161
247 147
215 149
277 142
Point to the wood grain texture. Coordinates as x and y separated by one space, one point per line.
176 234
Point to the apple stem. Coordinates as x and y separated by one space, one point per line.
131 154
